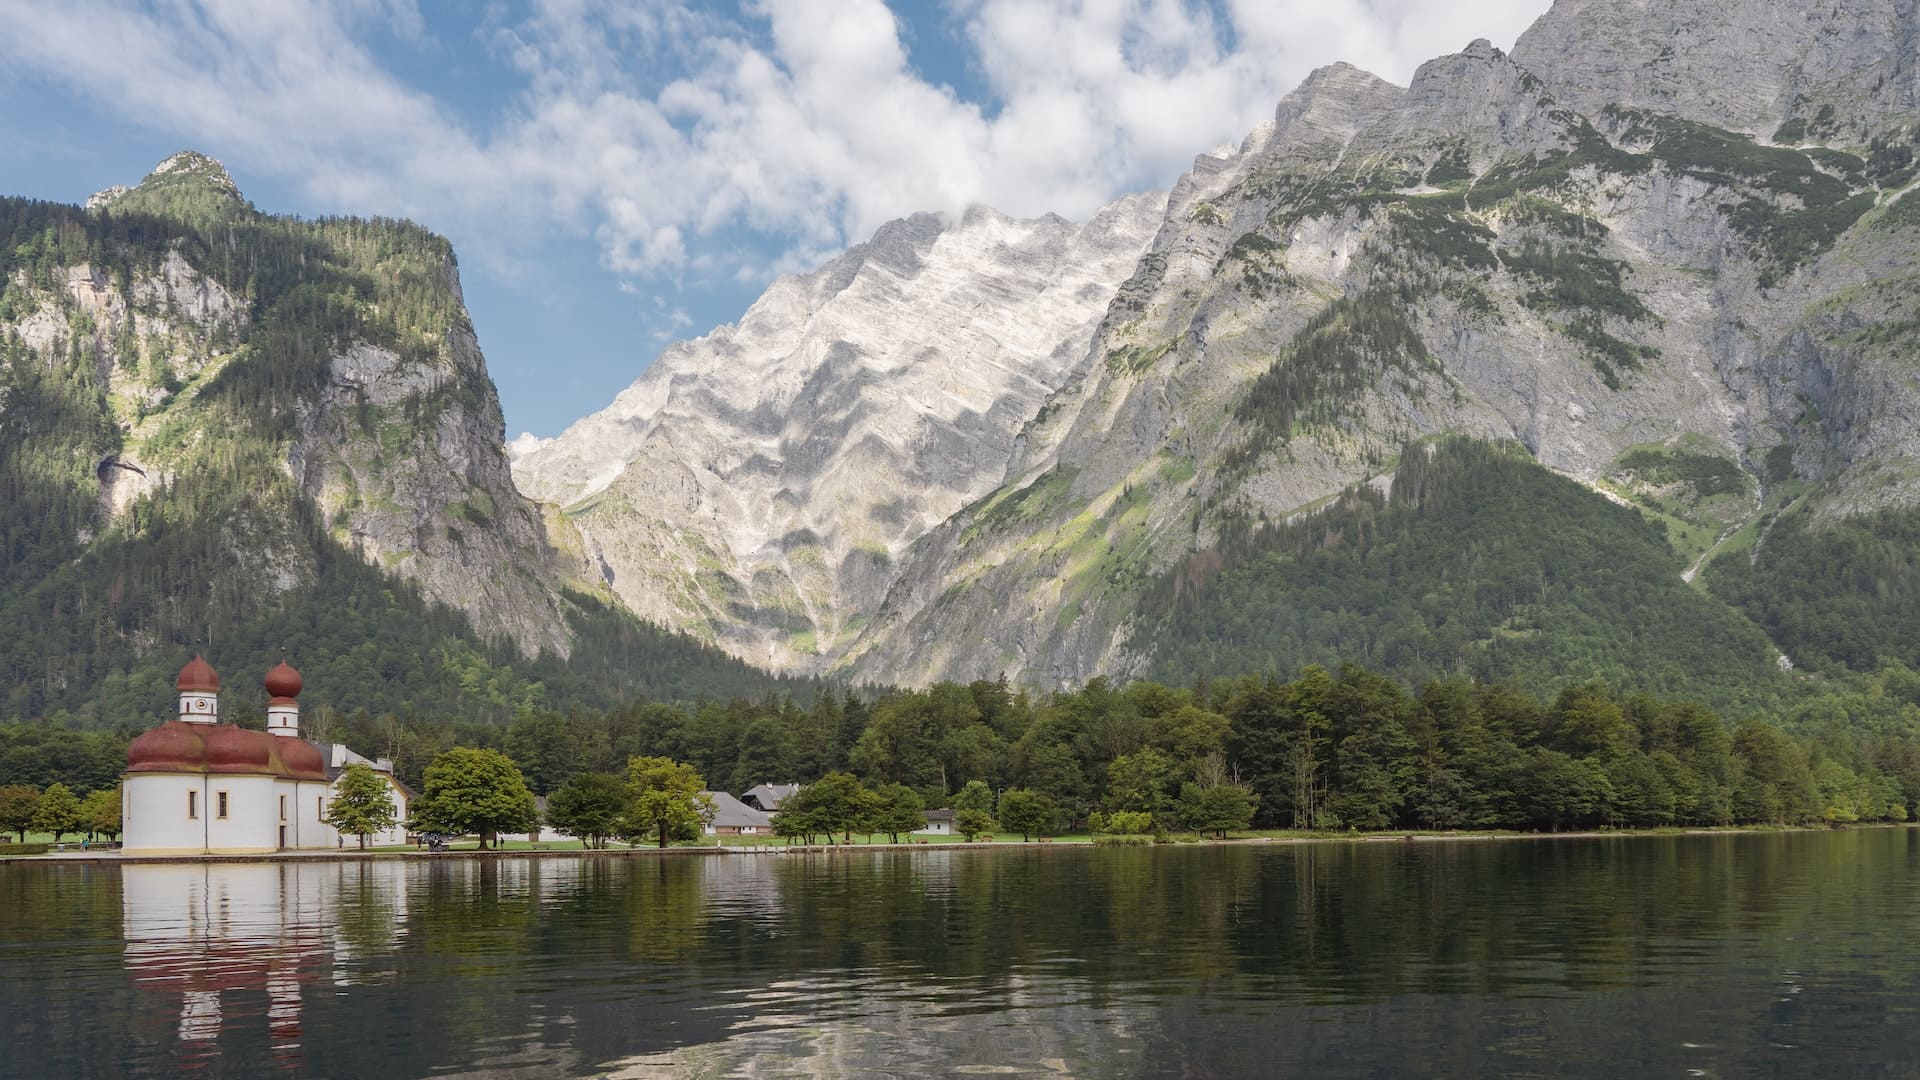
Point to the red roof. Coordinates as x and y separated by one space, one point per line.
283 683
175 747
198 677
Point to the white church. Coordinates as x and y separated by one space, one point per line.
195 786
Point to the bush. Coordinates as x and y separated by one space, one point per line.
25 849
1123 840
1124 821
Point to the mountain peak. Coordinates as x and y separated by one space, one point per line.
193 163
185 170
1333 102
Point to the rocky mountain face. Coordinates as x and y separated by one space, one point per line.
756 486
274 381
1666 249
1656 233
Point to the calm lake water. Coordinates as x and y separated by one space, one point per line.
1752 955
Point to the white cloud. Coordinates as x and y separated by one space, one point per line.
766 144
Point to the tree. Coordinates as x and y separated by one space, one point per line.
765 754
591 806
362 803
1139 781
58 812
1025 812
667 796
476 791
17 805
546 748
975 796
973 824
1216 809
899 810
100 813
835 803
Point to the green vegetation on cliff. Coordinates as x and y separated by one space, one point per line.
1843 593
223 546
1479 562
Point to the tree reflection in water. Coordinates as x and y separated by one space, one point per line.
1729 954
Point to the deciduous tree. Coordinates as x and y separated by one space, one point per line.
58 812
17 805
899 810
362 803
1028 813
477 791
973 824
100 813
667 797
591 806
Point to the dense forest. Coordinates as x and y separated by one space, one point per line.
1330 749
1476 562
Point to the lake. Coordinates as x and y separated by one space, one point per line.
1789 954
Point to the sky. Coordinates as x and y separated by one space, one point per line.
616 176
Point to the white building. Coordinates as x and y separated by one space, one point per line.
939 823
196 786
338 757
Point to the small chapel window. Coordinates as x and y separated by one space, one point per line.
220 804
283 808
193 805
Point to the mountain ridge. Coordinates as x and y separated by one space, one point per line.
1531 248
887 386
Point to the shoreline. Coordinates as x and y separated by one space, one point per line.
1396 837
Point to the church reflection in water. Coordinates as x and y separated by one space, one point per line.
230 948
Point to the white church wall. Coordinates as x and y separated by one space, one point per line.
158 818
248 826
180 813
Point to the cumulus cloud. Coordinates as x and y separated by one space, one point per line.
690 144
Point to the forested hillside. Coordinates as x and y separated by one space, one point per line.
1476 561
237 432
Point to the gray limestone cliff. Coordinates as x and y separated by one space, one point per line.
756 486
1637 233
287 359
1679 229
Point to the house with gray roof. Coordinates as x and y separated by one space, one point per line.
768 797
731 817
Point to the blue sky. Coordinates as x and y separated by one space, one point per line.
615 176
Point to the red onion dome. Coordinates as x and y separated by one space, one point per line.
175 747
237 750
299 759
283 683
171 747
198 677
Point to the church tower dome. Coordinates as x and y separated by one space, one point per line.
199 688
283 713
198 677
283 682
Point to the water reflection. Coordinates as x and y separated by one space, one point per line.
229 948
1773 954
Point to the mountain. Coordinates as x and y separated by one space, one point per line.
1663 252
232 431
756 485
